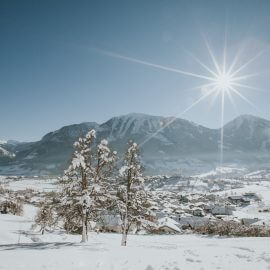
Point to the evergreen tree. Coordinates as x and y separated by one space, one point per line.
84 190
132 199
45 216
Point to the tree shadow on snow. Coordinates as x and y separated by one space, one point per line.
36 246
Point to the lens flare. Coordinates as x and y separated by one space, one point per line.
223 81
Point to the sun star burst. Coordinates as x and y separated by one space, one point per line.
224 81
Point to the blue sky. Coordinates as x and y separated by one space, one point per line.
51 75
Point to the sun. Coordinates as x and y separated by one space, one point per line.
224 82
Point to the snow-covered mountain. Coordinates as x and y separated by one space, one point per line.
2 142
158 136
248 133
166 148
4 152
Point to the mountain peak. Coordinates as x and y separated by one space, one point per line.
135 114
140 116
249 117
245 119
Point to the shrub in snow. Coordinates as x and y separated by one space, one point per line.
11 206
230 228
5 192
85 183
27 196
109 222
2 190
45 216
132 200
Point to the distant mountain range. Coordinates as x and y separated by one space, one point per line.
182 146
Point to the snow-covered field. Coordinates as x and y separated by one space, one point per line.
22 247
41 185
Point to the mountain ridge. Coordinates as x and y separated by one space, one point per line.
181 145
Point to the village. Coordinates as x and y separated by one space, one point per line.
180 204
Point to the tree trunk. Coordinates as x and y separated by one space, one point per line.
126 226
124 238
84 218
84 231
125 232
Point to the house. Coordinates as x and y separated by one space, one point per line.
168 225
251 196
210 197
160 214
249 221
198 212
222 210
183 199
239 200
245 201
148 227
208 208
189 221
236 199
261 223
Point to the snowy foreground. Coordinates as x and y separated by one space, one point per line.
21 248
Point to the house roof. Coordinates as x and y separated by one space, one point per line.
235 197
169 223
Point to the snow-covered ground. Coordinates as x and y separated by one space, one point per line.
24 248
21 248
222 171
261 188
41 185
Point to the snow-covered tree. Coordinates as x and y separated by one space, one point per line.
45 216
84 192
132 199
